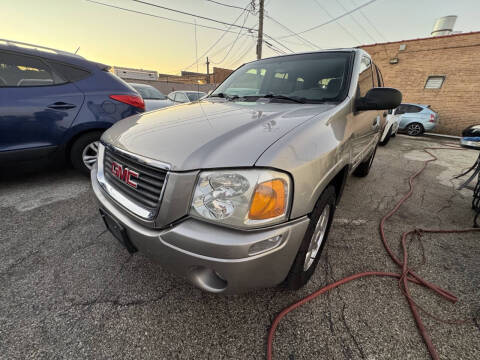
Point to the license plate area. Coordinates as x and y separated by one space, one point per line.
118 231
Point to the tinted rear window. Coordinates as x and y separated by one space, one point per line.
71 73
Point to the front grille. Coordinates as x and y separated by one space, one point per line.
150 180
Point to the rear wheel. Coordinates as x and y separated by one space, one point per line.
83 153
415 129
314 241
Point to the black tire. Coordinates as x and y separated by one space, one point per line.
298 275
77 148
415 129
393 135
387 138
363 169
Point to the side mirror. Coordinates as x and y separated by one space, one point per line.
379 99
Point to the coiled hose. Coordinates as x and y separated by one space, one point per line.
404 277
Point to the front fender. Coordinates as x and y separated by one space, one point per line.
314 153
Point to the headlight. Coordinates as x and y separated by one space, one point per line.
242 198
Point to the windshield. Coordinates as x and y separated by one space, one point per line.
312 78
194 96
149 92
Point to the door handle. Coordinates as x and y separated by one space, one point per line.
60 105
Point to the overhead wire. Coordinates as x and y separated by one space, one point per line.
331 20
374 27
293 32
234 42
157 16
356 21
338 22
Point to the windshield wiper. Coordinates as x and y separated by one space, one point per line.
225 96
283 97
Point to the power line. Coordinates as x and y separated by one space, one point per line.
356 22
222 4
187 13
332 20
209 19
157 16
338 23
216 42
370 22
234 42
293 32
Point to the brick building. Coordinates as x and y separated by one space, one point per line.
442 71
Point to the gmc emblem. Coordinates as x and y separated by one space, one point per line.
124 174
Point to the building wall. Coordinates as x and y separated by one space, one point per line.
457 57
166 87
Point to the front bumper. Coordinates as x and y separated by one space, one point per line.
213 258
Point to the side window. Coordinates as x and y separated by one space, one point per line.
68 72
401 109
413 109
181 97
365 78
171 96
17 70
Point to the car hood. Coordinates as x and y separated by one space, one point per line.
209 133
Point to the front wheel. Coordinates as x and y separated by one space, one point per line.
387 138
415 129
83 153
314 241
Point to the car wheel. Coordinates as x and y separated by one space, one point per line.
313 242
387 138
83 153
415 129
363 169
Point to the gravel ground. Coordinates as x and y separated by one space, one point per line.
68 290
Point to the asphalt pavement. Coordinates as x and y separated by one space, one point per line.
69 291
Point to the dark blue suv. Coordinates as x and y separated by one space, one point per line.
57 104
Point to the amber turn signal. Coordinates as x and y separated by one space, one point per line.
269 200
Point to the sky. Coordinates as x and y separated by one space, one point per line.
119 38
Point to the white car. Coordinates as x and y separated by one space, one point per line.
180 97
152 97
391 127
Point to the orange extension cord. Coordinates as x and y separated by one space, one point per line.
405 276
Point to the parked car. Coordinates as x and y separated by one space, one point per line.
181 97
152 97
233 192
471 137
57 103
415 119
391 128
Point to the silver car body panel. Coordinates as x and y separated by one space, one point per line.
313 143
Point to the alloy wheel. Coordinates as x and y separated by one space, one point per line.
317 238
414 129
89 154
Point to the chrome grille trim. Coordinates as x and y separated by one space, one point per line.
143 201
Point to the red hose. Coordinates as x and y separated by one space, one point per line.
407 275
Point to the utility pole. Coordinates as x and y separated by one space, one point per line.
260 30
208 71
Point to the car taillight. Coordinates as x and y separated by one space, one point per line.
432 118
133 100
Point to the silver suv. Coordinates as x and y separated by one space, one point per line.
238 190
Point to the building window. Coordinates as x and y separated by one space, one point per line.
434 82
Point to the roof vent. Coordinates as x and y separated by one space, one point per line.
444 25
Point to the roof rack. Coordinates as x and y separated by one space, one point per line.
37 47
